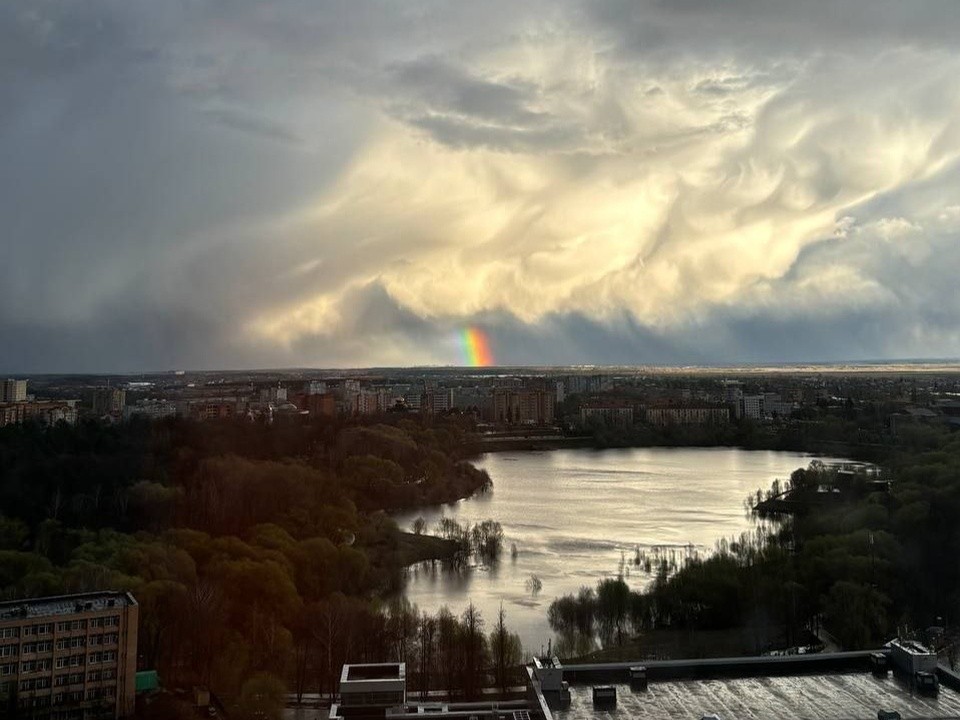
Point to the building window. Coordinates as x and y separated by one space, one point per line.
28 648
7 669
43 683
9 632
9 650
27 684
71 625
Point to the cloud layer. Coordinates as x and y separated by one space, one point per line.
348 183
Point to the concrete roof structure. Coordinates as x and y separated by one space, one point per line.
834 696
65 605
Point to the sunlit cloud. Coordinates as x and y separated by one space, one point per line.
278 185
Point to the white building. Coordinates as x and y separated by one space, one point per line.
752 407
13 390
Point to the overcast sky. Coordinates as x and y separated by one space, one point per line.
237 183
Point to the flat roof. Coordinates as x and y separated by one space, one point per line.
373 671
833 696
64 605
911 646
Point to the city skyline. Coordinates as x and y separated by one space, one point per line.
360 184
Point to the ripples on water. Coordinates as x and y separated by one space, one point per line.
575 514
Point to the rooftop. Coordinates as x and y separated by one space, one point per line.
64 605
373 671
910 646
790 697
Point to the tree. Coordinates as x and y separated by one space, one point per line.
474 650
505 649
613 606
857 614
534 585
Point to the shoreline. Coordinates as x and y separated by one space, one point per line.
431 548
854 452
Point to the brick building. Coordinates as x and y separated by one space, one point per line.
70 657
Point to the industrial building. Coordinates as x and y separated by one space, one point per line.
826 686
378 692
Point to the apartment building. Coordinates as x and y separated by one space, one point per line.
108 401
523 407
688 415
13 391
69 657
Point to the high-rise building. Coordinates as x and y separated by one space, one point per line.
752 407
70 656
525 407
108 401
13 391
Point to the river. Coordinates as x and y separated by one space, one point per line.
574 515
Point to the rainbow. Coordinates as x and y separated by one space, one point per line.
476 347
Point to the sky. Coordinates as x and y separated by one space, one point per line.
206 184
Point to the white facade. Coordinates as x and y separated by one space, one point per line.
752 407
14 390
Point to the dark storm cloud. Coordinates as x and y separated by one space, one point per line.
363 179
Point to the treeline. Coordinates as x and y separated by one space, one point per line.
860 431
866 563
82 474
442 651
237 538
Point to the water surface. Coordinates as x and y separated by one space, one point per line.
575 515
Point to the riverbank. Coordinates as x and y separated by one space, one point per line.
735 437
531 443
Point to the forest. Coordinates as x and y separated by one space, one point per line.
261 555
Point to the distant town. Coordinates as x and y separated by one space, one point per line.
565 400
